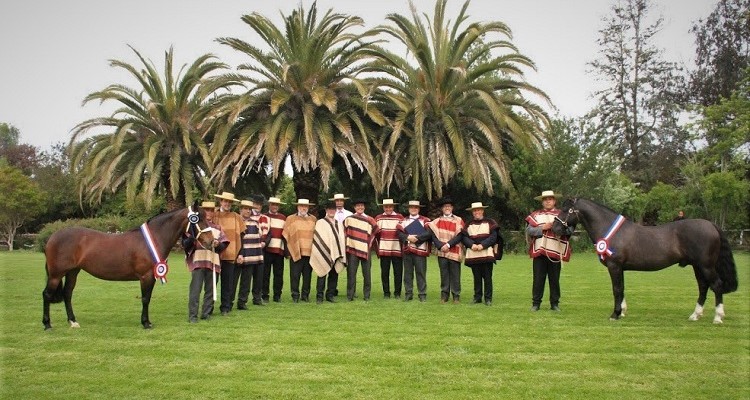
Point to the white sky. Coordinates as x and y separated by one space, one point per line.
55 52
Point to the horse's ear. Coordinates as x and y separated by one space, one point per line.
195 205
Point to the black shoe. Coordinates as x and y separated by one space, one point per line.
259 303
277 299
319 301
398 297
535 308
555 308
206 316
225 313
295 300
387 296
350 298
265 301
422 298
331 300
408 298
306 299
193 320
488 303
242 307
477 301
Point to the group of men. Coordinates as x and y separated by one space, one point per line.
250 246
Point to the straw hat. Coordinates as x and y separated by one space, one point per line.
338 196
208 204
303 202
388 202
275 200
547 193
247 203
475 206
415 203
226 196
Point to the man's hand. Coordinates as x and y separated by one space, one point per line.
240 259
412 238
445 248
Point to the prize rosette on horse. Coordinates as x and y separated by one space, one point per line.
602 245
160 266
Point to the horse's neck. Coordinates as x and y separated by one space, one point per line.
166 229
595 218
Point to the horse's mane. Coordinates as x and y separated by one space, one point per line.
157 218
592 201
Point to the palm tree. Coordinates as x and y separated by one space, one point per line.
459 106
304 100
155 140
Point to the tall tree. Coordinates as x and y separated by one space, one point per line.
457 104
639 106
304 100
20 155
22 201
155 144
722 52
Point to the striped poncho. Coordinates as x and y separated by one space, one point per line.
388 243
328 247
547 244
445 229
423 249
274 242
252 239
360 230
484 232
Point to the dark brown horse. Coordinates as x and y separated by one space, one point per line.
114 257
631 247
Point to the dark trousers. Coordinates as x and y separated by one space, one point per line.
245 275
414 264
450 278
482 280
352 263
385 275
200 279
546 269
299 268
333 281
272 262
227 285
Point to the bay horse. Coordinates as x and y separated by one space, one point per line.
632 247
114 257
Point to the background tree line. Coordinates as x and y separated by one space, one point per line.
448 114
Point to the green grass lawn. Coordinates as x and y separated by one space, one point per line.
382 348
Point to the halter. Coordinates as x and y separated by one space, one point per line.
193 218
571 210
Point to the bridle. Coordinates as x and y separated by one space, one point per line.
193 218
571 210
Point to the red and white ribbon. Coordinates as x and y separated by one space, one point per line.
602 245
160 266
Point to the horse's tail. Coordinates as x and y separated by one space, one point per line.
725 265
58 295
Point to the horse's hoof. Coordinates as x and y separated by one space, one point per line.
147 325
48 327
718 321
693 317
74 324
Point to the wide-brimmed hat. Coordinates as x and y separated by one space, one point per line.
475 206
303 202
387 202
275 200
208 204
414 203
547 193
226 196
358 201
247 203
338 196
330 205
444 201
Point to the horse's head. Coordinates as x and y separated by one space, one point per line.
568 216
197 226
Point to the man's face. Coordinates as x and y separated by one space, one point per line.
478 213
245 212
447 209
339 203
549 203
226 205
302 209
330 212
359 208
209 214
413 210
273 207
388 209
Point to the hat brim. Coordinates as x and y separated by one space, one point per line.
340 198
218 196
389 204
416 205
304 204
556 196
476 208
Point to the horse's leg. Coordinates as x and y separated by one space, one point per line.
70 283
618 289
147 286
713 281
50 294
702 292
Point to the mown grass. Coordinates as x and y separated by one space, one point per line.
379 349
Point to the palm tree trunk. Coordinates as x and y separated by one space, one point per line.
307 186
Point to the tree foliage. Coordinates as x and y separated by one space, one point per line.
457 103
22 201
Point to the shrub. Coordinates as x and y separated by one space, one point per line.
110 224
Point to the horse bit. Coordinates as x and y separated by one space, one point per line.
571 210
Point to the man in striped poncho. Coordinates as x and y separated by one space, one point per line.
298 233
414 253
360 230
249 267
273 255
480 237
328 254
389 248
445 232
